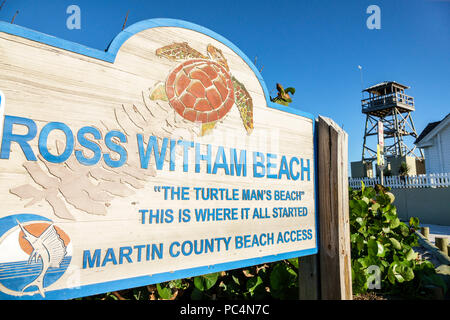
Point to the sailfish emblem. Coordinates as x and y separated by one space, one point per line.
49 248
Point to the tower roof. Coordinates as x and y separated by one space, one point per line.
379 87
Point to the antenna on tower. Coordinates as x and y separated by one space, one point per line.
361 77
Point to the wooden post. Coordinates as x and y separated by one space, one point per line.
442 244
308 277
334 226
425 231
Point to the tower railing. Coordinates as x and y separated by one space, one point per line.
387 100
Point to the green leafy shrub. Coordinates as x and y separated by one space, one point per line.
380 239
277 281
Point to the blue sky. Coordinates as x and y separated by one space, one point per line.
314 46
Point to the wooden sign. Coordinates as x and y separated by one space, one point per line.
160 158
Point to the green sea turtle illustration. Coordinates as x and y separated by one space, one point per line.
201 88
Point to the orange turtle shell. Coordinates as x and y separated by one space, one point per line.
200 90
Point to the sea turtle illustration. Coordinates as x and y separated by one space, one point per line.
201 88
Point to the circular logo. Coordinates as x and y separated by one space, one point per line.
34 254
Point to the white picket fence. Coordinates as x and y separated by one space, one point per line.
431 180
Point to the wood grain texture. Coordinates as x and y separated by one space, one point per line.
335 259
309 278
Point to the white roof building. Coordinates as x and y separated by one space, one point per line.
435 142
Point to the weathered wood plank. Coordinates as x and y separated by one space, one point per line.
308 275
334 234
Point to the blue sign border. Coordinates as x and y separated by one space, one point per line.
109 56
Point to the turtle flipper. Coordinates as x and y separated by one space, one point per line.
207 128
159 92
178 51
244 103
217 55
